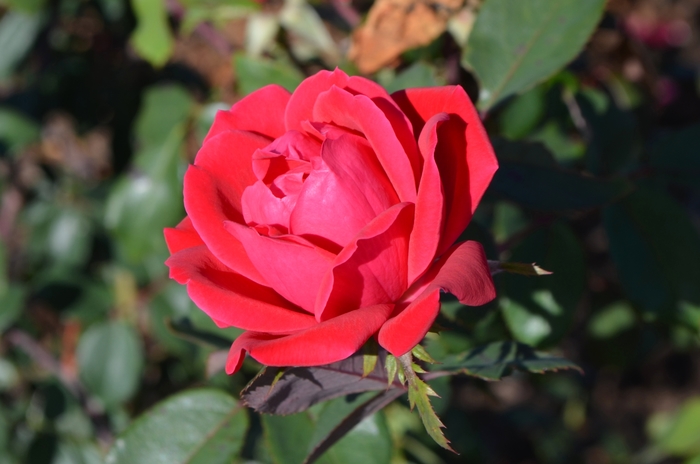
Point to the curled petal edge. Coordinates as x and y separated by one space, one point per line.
463 271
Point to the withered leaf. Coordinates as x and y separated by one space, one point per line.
394 26
301 387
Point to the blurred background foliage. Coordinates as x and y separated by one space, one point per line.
594 110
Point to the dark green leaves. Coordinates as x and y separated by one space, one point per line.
539 310
497 360
656 249
202 426
529 176
515 44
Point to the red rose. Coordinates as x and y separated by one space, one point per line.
319 219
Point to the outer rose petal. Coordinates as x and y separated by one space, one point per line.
213 190
182 236
372 268
261 112
230 299
301 104
462 271
325 343
464 178
430 206
291 265
359 113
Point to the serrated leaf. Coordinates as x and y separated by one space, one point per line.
525 269
301 387
205 426
418 392
515 44
497 360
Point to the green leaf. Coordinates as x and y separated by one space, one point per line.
202 426
141 205
254 73
16 130
616 138
304 437
28 6
353 429
525 269
419 74
656 250
288 437
675 155
418 392
110 357
497 360
677 434
523 114
11 305
539 311
529 176
152 38
17 33
515 44
611 320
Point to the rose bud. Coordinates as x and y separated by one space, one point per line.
318 219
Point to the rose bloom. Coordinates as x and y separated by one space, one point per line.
318 219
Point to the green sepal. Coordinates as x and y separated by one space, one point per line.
419 353
391 366
370 357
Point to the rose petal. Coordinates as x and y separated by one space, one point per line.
359 113
462 271
261 112
324 343
301 104
182 236
291 265
464 154
345 195
212 190
260 206
232 300
228 158
207 206
430 207
372 268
